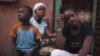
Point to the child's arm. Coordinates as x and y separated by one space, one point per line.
37 41
14 31
35 48
13 38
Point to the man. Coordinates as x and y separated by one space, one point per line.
78 35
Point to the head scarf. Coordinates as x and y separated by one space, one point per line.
37 5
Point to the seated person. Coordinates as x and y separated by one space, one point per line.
38 21
78 35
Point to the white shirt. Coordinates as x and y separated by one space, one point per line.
58 52
41 26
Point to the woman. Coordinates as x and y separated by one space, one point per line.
39 11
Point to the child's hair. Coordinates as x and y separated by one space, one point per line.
65 7
28 8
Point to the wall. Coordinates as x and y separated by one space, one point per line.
8 17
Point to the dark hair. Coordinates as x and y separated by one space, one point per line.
28 8
65 7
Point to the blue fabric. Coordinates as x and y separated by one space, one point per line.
25 40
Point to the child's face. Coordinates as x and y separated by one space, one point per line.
23 14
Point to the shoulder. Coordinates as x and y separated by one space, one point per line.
32 20
88 29
44 22
34 28
36 32
86 25
14 30
16 26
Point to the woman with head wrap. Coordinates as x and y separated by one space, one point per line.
39 11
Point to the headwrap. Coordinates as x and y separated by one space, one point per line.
37 5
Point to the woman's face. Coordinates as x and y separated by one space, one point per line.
71 18
41 11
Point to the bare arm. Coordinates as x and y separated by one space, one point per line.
60 21
37 40
36 46
37 37
49 33
86 46
13 40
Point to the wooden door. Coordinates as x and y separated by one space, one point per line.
97 31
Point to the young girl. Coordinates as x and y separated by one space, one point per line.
26 36
39 11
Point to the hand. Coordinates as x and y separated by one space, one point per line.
29 53
83 52
60 21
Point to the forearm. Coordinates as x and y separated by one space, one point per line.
50 34
86 46
84 52
36 46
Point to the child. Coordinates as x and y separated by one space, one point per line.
25 35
